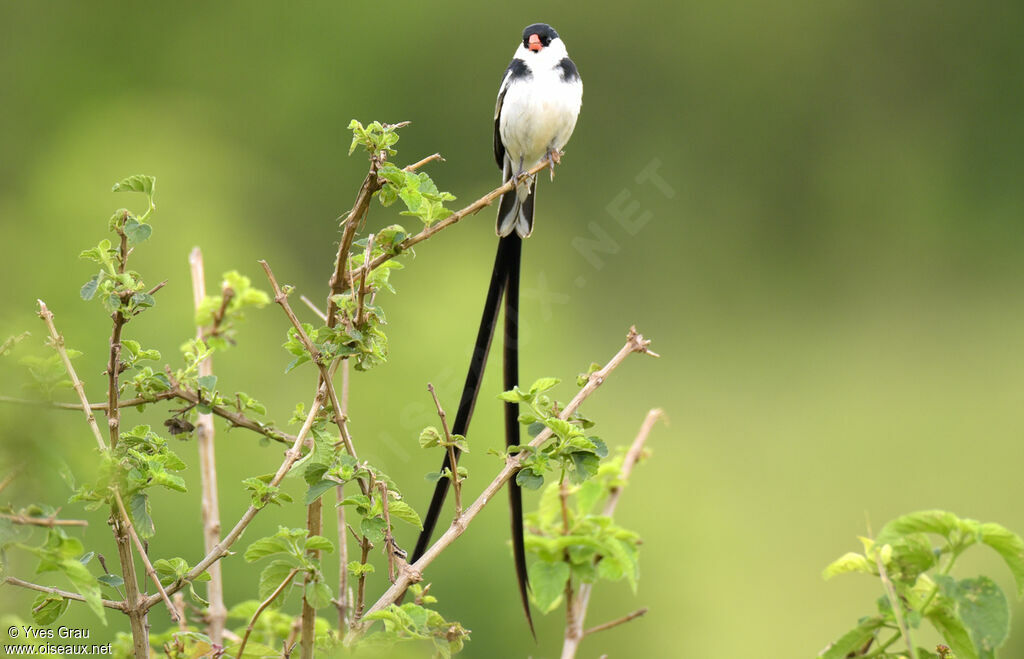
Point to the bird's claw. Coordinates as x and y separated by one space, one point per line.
554 158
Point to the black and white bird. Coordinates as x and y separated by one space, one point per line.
538 103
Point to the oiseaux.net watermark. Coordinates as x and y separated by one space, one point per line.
55 641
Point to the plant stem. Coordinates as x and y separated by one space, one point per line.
456 480
217 613
314 523
120 606
262 607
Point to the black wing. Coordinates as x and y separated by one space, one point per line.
516 70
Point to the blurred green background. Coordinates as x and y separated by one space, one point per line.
831 271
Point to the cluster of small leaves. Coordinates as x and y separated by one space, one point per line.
576 541
417 191
431 437
141 460
172 571
321 475
288 549
971 614
221 313
122 290
415 623
261 492
360 335
573 453
65 554
377 139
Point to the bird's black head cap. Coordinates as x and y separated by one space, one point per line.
544 32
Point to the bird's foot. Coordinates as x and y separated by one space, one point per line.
554 158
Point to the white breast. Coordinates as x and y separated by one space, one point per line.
539 113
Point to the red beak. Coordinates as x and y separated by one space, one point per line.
534 43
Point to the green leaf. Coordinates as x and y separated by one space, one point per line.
111 580
985 613
405 512
136 231
373 529
1011 547
853 640
207 382
170 570
528 479
317 490
848 562
357 569
926 521
88 290
561 427
319 543
272 576
942 615
318 594
543 384
547 584
266 547
430 437
138 507
86 585
514 396
136 183
47 608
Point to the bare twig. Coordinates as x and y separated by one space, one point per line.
416 165
289 643
179 606
574 632
343 601
119 606
236 419
262 607
365 547
314 524
615 623
125 402
456 481
312 306
634 343
391 548
9 478
636 450
57 341
43 521
210 502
